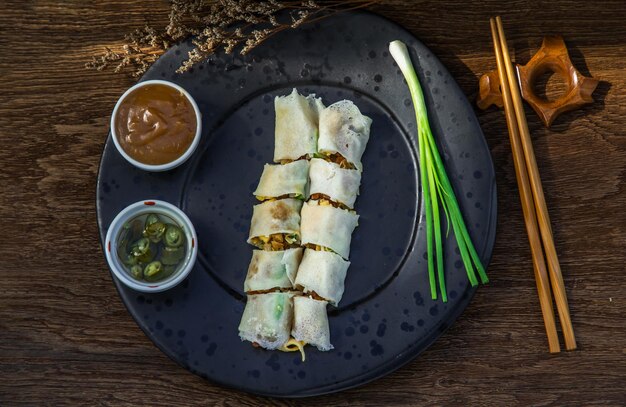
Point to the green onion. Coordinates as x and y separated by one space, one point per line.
437 191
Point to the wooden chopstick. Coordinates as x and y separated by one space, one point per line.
528 209
556 278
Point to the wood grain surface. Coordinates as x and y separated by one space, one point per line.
66 338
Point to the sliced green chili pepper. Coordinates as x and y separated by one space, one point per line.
153 271
172 255
151 249
151 218
143 251
129 231
129 259
155 231
136 271
174 236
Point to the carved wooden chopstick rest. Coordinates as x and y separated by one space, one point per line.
552 56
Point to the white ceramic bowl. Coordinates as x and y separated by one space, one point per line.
179 160
142 208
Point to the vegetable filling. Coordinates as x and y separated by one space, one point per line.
276 198
324 200
276 241
337 159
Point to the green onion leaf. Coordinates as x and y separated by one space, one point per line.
436 189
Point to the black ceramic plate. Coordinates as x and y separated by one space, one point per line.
386 316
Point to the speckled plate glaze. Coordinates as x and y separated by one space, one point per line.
386 317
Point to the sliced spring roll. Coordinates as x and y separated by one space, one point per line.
267 319
275 224
327 226
322 273
311 322
339 184
344 130
270 270
296 131
280 180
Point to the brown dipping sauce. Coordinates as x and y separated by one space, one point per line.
155 124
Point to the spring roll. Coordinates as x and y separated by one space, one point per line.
270 270
329 227
275 221
339 184
311 323
296 126
267 319
344 130
322 273
280 180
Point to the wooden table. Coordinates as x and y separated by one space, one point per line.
66 337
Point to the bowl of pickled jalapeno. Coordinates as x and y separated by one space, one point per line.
151 246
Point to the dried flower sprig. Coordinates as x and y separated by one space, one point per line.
230 25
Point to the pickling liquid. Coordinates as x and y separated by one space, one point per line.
155 124
132 232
